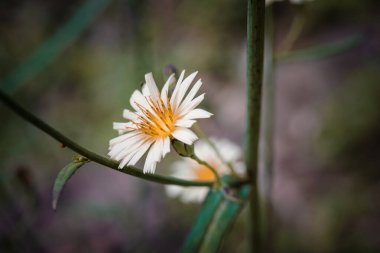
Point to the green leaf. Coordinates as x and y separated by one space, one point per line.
322 51
199 229
53 46
214 220
63 176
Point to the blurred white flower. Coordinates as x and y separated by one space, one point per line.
268 2
158 118
191 170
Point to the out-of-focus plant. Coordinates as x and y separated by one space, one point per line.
162 119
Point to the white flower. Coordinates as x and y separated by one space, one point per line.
191 170
268 2
157 118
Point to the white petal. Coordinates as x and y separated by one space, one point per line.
183 87
173 190
126 159
198 114
185 123
153 90
138 98
145 90
193 194
165 89
141 151
121 149
127 114
123 127
192 92
122 138
154 156
185 135
177 86
166 147
186 108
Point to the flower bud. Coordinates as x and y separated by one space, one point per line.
183 149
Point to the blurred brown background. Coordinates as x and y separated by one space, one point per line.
326 192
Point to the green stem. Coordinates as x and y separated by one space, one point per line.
267 131
204 136
294 32
255 56
91 155
218 179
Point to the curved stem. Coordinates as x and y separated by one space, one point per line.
204 136
91 155
218 179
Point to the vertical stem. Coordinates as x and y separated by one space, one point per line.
255 55
265 173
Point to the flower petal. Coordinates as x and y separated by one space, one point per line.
127 114
123 127
141 151
183 87
166 147
185 123
198 114
154 156
165 89
177 86
186 108
185 135
192 92
153 90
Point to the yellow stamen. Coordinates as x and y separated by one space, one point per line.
160 122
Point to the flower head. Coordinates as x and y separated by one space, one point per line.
191 170
157 118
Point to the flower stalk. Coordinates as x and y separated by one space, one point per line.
218 181
89 154
255 57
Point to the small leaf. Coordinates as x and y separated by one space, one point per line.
63 176
214 220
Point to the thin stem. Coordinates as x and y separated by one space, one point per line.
91 155
266 136
204 136
255 56
218 179
294 32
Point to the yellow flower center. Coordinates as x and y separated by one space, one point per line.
204 174
158 124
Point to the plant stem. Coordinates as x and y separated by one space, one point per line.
91 155
265 175
204 136
294 32
218 179
255 56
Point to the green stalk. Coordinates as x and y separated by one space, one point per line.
204 136
266 136
219 182
91 155
255 56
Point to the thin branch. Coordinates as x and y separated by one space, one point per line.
91 155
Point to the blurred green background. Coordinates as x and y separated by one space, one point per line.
75 64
